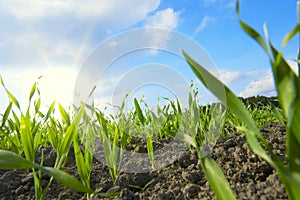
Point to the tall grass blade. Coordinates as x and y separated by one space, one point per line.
288 88
237 8
235 105
278 114
290 35
54 138
13 98
32 91
68 137
222 92
50 110
1 81
37 186
251 32
65 116
149 141
27 138
66 179
80 163
286 81
10 95
216 179
37 105
10 160
6 114
139 111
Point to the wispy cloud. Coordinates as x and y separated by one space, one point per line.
230 77
251 83
263 86
58 35
105 10
167 18
60 30
206 20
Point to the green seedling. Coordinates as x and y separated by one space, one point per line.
148 129
26 134
288 89
142 189
10 160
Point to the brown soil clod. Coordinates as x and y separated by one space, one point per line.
249 176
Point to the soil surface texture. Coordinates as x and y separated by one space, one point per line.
249 176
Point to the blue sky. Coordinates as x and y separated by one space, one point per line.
53 39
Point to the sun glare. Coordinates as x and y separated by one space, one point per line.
55 84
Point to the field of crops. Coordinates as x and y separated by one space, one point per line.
257 155
59 145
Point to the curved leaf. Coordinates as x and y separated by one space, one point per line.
6 114
290 35
217 179
10 160
139 111
66 179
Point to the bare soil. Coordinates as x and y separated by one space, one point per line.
249 176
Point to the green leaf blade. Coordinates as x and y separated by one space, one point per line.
66 179
139 111
50 110
290 35
6 114
13 98
80 163
32 91
10 160
255 35
222 92
216 178
65 116
72 129
27 138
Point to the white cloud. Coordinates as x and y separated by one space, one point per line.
206 20
109 11
258 82
263 86
230 78
263 83
62 30
54 37
37 8
167 18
